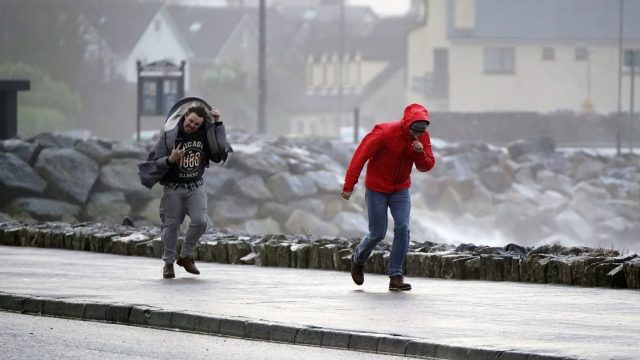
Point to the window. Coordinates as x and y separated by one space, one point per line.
631 57
149 97
346 73
499 60
337 71
358 69
170 93
548 53
582 54
310 68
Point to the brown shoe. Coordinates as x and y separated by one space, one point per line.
396 283
167 271
357 272
188 264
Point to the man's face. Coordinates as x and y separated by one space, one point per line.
418 128
415 134
192 123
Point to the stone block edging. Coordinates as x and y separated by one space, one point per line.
140 315
579 266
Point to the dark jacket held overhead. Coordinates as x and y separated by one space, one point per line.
156 166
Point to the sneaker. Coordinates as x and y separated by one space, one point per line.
357 272
396 283
167 271
188 264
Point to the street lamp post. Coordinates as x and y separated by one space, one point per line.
340 64
632 59
634 55
262 68
620 54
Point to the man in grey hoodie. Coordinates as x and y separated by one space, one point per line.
192 136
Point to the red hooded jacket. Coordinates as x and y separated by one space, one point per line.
389 150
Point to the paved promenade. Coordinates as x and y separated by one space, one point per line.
448 319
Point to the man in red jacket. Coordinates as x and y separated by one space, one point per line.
391 149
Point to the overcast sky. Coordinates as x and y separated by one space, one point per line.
385 7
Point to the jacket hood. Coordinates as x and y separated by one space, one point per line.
181 107
412 113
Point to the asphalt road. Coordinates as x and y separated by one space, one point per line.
570 321
39 337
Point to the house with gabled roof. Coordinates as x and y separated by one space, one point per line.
121 32
369 78
202 36
305 96
149 30
161 40
520 55
217 35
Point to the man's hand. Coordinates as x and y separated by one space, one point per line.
346 194
176 154
417 146
215 113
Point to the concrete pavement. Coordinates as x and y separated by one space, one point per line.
446 319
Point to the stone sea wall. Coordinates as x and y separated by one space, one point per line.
545 264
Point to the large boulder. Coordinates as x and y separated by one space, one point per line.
585 166
351 224
495 179
218 180
326 181
69 174
539 145
302 222
279 212
572 224
22 149
150 213
262 226
285 186
128 150
122 175
96 149
44 209
53 140
17 178
450 202
556 182
230 208
256 161
312 205
463 186
253 187
480 204
107 207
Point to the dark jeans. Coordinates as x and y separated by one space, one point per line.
399 203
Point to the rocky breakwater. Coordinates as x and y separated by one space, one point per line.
268 186
528 193
546 264
533 194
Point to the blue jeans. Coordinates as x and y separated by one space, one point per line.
377 204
